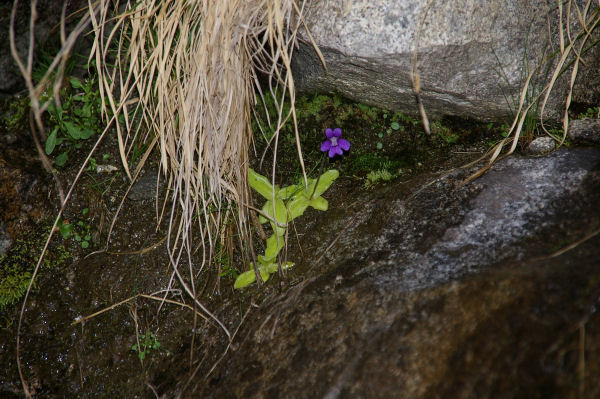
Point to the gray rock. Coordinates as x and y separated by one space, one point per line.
473 55
5 241
520 198
586 131
542 145
422 294
145 187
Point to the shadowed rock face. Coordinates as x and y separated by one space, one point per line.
439 290
424 288
473 59
47 24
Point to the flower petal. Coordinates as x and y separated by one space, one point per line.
332 152
329 133
337 132
338 150
345 144
326 145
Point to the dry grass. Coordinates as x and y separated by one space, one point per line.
188 69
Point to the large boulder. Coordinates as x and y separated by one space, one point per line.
473 56
481 290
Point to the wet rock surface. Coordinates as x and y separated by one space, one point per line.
441 290
425 287
585 131
145 188
24 188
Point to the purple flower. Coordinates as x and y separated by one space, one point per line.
335 144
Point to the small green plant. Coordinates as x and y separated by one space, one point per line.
444 132
17 264
592 113
80 231
16 116
314 107
225 267
405 119
146 344
91 165
76 118
378 176
369 113
282 206
229 271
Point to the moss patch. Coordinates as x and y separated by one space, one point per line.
381 140
17 265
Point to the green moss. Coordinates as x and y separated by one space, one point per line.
17 265
381 140
593 113
15 117
377 177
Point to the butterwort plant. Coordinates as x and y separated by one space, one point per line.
335 144
282 206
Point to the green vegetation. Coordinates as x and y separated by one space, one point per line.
146 344
378 176
78 231
593 113
17 265
282 206
76 118
16 116
444 132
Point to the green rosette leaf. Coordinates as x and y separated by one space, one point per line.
248 277
261 184
297 206
322 183
280 215
273 267
267 205
325 182
274 245
319 203
288 192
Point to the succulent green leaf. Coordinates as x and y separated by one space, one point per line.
319 203
273 267
297 206
322 183
267 209
261 184
288 192
325 181
248 277
274 245
310 188
280 215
